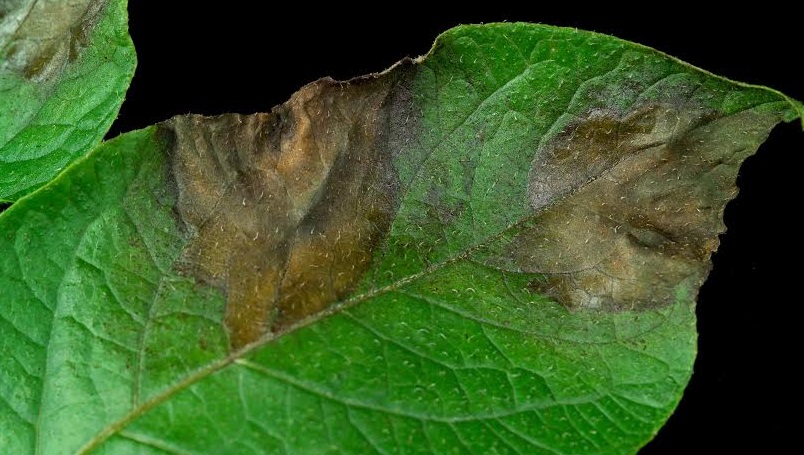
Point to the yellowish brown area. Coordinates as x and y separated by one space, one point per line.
284 209
629 207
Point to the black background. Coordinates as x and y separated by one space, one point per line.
238 57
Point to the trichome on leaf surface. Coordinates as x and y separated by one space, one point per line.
494 248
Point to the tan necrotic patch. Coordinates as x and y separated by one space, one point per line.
284 209
629 207
39 37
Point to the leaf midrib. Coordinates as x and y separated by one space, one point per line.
222 363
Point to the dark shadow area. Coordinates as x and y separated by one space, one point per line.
4 205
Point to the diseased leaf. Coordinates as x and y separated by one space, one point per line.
64 70
493 249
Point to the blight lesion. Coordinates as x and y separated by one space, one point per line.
39 37
283 210
628 206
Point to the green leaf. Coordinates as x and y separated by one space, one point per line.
64 71
493 249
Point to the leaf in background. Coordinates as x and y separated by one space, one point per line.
494 249
64 71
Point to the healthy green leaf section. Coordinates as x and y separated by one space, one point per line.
64 71
456 261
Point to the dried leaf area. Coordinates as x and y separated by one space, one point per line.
629 208
285 208
38 38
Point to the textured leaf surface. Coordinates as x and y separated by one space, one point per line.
64 70
495 249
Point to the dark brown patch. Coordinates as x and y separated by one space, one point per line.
629 207
285 208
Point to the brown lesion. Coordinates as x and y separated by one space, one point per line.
284 209
629 206
38 38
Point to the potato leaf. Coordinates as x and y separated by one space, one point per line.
495 248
